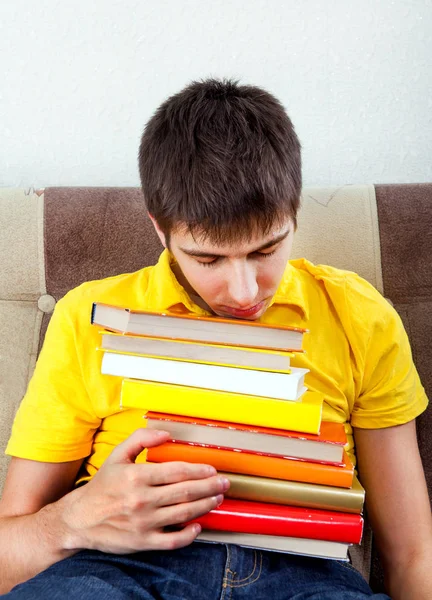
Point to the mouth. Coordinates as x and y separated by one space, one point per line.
244 312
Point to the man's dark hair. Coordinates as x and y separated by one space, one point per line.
221 159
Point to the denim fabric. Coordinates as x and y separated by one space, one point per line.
199 572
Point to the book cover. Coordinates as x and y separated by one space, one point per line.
294 493
283 386
273 519
215 354
304 416
254 464
234 332
326 447
277 543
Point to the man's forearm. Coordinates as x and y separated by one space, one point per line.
411 580
30 544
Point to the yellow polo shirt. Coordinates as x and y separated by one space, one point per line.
356 349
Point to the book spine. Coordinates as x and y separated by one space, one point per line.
93 310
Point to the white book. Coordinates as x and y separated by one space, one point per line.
281 386
291 545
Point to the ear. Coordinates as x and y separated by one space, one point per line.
158 230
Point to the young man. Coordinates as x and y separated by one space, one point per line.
220 171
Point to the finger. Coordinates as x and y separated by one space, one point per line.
189 491
176 539
182 513
174 472
127 451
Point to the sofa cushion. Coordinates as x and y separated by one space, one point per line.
21 244
339 227
92 233
22 282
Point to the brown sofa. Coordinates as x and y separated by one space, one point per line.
52 240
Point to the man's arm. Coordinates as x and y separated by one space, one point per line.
30 520
398 506
42 521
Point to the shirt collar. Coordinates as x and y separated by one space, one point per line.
291 290
164 292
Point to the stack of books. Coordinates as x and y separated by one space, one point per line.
229 396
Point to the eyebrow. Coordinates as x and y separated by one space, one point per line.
269 244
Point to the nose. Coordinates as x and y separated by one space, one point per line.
242 286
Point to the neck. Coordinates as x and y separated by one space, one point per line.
188 288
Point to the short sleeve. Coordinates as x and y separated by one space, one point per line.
390 391
55 421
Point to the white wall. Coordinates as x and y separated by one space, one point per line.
79 80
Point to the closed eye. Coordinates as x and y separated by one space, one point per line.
212 263
258 255
265 254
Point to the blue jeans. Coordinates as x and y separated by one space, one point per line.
199 572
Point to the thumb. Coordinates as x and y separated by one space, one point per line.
127 451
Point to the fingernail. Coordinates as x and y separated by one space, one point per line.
160 433
219 499
225 482
210 471
197 528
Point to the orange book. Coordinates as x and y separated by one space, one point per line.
255 464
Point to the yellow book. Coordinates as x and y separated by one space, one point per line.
304 416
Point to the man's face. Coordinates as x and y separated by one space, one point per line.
237 279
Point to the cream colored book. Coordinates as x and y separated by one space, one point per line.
213 330
327 447
302 546
216 354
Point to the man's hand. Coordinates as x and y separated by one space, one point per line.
126 506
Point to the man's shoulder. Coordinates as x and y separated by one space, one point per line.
347 290
320 272
311 273
125 289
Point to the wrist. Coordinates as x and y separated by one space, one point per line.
65 537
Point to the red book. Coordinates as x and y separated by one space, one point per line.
241 516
